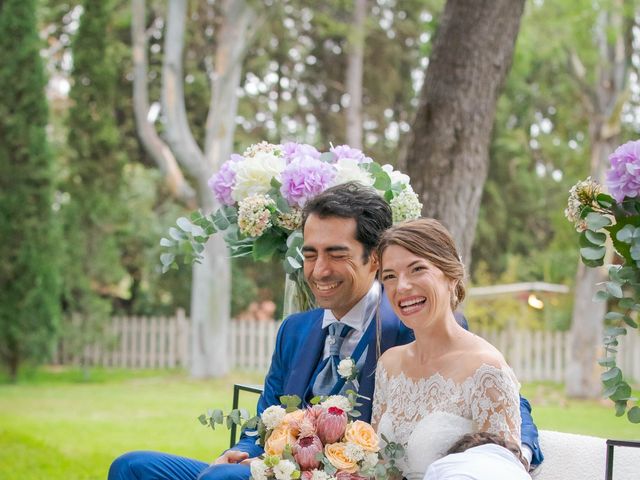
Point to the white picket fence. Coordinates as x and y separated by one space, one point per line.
163 342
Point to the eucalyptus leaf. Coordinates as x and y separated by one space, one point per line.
620 406
623 392
607 362
165 242
203 419
634 414
629 321
177 234
626 233
596 221
614 316
593 253
615 331
601 296
611 374
184 224
167 258
614 289
596 238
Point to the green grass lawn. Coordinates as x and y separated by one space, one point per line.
54 425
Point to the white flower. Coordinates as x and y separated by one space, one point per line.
337 401
258 470
405 205
254 174
348 170
354 452
396 176
254 216
370 461
284 469
291 220
262 147
272 416
346 368
319 475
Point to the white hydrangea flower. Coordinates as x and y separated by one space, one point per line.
291 220
405 205
319 475
272 417
258 470
396 176
348 171
254 174
354 452
370 461
337 401
262 147
284 469
346 368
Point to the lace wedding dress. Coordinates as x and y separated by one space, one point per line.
428 415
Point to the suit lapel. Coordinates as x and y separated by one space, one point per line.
307 358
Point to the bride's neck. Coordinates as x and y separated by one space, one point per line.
437 338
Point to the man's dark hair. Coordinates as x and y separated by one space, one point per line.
482 438
353 200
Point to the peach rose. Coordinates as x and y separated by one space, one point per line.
335 453
293 420
279 438
363 434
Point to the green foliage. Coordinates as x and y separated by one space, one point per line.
29 284
94 216
601 217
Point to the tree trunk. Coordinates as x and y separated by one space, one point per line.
447 155
604 103
211 284
153 144
355 61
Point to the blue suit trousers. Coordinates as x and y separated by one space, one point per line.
145 465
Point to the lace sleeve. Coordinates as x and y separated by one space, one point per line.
379 396
495 402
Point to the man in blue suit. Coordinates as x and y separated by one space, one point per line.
341 228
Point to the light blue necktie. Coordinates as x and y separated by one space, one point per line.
328 375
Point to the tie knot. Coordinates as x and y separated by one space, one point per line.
337 332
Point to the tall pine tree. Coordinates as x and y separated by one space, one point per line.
29 287
94 215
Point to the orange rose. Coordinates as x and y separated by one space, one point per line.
361 433
335 453
279 438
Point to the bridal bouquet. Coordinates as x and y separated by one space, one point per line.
261 194
616 216
321 442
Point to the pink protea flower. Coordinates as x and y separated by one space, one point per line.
331 425
305 451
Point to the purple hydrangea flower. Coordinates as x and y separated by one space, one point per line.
345 151
293 150
222 182
623 178
304 178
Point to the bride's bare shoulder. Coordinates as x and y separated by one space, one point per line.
480 352
392 359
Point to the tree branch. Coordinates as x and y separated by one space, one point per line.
152 143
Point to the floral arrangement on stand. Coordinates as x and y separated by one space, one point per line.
324 441
262 193
616 216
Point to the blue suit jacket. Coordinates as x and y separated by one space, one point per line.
298 350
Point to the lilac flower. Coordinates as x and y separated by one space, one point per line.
222 182
345 151
293 150
623 178
304 178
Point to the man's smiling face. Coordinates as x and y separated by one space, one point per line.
334 264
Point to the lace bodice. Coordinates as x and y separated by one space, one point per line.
428 415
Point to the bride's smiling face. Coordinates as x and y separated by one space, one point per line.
417 290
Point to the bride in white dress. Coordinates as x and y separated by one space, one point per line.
448 382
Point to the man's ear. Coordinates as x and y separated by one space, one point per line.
373 258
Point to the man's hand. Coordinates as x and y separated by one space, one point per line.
233 456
